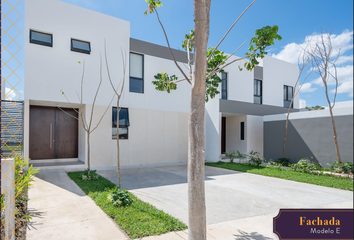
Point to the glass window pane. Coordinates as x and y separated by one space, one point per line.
224 95
255 87
257 100
286 104
114 117
242 131
123 117
136 85
123 133
290 93
41 37
285 90
81 45
136 65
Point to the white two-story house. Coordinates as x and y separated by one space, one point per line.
63 42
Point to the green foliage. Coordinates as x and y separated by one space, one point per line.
231 155
315 108
212 83
189 38
89 175
23 179
284 162
341 167
164 82
305 165
312 178
138 220
254 158
153 4
263 38
274 164
240 155
119 197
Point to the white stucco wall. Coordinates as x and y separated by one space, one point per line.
233 134
255 134
276 74
212 130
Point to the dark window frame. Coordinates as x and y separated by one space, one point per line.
41 42
135 78
79 50
226 86
242 130
255 91
124 136
286 96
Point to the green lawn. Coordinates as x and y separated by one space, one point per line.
322 180
11 148
138 220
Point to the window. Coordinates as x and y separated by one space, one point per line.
224 85
123 123
136 81
288 96
80 46
257 96
242 131
41 38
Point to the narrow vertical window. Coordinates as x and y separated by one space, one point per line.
41 38
242 131
257 89
123 123
136 81
224 86
288 96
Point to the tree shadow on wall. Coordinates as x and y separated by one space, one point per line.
250 236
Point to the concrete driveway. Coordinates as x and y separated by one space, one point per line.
239 205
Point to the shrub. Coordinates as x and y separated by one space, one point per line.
341 167
254 159
305 165
284 161
273 164
119 197
231 155
240 155
89 175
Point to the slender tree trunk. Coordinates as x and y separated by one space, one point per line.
335 135
118 157
286 126
196 150
88 153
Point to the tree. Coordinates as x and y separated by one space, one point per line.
119 94
314 108
203 85
323 59
87 126
303 61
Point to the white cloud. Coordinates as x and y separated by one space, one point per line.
344 74
307 87
346 87
291 51
10 94
344 59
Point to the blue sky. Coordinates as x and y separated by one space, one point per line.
296 20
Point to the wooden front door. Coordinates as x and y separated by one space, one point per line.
53 133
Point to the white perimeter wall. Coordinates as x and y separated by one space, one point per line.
233 134
255 134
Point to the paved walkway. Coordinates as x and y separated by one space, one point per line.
239 205
62 211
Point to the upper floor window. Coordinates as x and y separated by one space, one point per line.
123 123
288 96
136 81
45 39
80 46
257 96
224 85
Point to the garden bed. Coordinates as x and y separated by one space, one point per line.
326 180
138 220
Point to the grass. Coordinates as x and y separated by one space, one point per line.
138 220
322 180
10 148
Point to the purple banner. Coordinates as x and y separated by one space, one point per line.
308 224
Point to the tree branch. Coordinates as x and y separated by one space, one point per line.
169 48
230 29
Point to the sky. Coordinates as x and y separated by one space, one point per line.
298 21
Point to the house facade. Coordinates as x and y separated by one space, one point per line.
60 51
